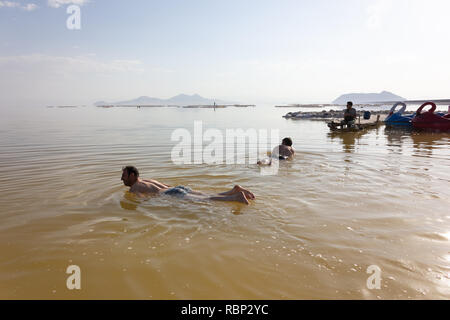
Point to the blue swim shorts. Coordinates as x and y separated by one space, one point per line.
179 191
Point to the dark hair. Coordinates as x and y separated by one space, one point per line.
287 142
130 170
350 103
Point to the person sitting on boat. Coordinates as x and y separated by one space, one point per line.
349 114
285 151
130 178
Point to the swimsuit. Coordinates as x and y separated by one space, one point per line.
281 158
179 191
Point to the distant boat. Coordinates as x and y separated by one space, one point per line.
355 127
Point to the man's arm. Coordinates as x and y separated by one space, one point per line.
157 183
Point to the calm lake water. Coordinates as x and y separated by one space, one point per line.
348 201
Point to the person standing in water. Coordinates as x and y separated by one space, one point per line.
130 178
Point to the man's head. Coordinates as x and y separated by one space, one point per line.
349 105
129 175
287 142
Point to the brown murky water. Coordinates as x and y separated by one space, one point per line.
345 203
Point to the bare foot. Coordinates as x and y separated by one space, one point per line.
240 197
237 189
247 193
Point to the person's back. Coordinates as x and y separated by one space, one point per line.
285 150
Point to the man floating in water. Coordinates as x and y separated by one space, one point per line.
130 178
285 151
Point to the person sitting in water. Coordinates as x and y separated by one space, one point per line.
349 114
130 178
285 151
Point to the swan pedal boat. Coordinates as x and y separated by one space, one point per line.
431 121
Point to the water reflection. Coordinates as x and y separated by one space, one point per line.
348 139
395 137
130 202
424 143
236 210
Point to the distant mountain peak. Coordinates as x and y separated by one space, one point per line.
359 98
183 95
181 100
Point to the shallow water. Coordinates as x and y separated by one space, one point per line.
348 201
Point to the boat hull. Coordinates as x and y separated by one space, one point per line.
431 121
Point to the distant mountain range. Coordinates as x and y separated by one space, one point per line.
359 98
179 100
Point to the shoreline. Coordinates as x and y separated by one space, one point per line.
329 115
439 102
177 106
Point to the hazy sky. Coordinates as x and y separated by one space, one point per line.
251 51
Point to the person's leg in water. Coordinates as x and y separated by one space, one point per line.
238 194
348 121
236 189
239 197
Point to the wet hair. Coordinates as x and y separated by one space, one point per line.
287 142
130 170
350 103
